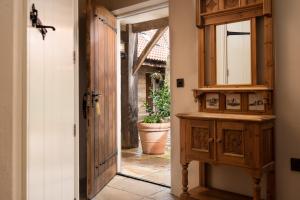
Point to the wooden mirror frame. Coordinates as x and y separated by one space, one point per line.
210 13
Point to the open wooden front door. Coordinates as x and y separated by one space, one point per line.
101 95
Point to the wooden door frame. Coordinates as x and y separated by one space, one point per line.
122 14
77 96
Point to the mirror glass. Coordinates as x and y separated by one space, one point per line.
233 48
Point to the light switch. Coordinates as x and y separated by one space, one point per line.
295 164
180 82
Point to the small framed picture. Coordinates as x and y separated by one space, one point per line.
233 101
256 102
212 101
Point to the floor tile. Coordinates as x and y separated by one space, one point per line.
122 188
117 182
109 193
155 168
164 195
140 188
161 176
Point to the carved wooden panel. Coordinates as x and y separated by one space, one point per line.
200 138
211 5
232 3
251 1
233 142
267 146
212 12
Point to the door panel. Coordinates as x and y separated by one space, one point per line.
102 146
51 103
233 141
200 139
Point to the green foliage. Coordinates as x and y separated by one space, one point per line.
161 99
152 119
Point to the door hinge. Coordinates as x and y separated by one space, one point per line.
74 57
74 130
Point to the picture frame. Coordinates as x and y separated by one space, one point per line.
212 101
256 102
233 102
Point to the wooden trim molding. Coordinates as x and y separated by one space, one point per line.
253 52
224 11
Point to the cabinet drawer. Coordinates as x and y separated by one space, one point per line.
200 139
234 143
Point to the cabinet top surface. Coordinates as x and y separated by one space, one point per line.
222 116
234 89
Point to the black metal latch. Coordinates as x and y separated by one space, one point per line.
37 23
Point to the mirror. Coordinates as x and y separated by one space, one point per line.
233 49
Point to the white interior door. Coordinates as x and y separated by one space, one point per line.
51 103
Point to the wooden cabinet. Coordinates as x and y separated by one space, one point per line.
234 124
245 141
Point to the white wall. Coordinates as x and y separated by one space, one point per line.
184 65
184 54
287 41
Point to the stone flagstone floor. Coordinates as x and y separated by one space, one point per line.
154 168
121 188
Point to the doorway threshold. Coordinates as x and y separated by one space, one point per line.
144 180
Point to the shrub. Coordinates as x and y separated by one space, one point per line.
161 99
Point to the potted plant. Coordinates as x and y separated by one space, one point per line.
155 127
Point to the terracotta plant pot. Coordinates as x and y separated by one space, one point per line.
153 137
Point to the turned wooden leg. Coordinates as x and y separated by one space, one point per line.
271 185
256 188
185 181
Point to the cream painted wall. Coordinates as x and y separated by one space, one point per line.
184 53
184 65
287 41
12 57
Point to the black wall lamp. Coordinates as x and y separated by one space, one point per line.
37 23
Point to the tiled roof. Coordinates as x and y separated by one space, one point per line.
160 51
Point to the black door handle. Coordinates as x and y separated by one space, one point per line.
85 105
37 23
